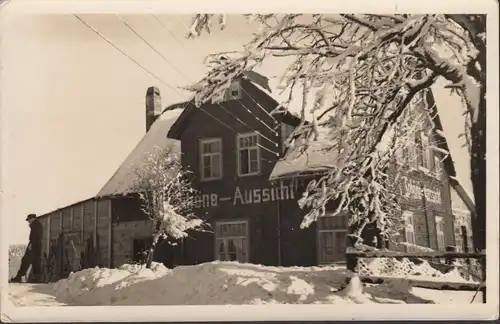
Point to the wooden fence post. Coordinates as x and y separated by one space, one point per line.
351 259
449 260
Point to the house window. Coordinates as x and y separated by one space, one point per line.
437 167
440 233
408 154
426 152
231 241
286 131
248 154
332 238
233 92
413 153
211 159
409 231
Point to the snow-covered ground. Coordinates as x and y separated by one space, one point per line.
219 283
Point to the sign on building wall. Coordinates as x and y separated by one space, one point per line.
243 196
412 189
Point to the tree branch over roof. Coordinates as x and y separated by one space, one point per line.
356 76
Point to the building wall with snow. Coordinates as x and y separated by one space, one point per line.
76 228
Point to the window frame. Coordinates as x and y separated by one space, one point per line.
409 154
217 238
426 158
207 140
438 167
440 233
405 215
239 149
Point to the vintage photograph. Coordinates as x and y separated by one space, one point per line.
244 159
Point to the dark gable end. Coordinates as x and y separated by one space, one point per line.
253 81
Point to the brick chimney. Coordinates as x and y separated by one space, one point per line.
153 106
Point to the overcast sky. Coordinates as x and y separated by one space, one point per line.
73 106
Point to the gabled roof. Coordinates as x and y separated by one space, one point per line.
317 159
123 179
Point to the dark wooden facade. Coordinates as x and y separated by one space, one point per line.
272 238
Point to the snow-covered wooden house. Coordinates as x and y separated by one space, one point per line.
249 189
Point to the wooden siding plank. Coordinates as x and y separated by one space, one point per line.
82 224
47 248
77 215
110 234
102 229
94 231
55 225
66 219
61 221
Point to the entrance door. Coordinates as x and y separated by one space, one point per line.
73 248
231 241
332 245
332 238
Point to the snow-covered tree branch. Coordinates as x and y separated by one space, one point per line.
356 75
167 198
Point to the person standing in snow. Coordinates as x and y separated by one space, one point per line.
32 256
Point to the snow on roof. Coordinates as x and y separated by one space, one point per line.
317 157
123 179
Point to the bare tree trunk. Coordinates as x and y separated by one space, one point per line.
474 87
478 173
478 177
156 237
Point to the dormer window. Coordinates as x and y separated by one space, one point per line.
234 91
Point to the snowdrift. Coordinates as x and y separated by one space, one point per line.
87 281
219 283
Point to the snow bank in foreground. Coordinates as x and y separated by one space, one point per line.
85 281
208 283
218 283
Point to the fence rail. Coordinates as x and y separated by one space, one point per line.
395 254
353 254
